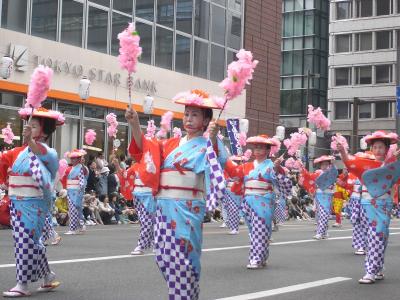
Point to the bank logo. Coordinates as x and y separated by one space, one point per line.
20 56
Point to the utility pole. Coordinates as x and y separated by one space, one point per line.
308 101
354 138
397 72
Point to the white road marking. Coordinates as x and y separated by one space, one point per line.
288 289
102 258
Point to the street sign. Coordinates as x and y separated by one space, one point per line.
398 99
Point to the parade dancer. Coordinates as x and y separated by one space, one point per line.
33 169
76 178
179 169
48 231
280 213
260 177
340 196
375 211
323 179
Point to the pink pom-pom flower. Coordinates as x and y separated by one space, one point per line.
177 132
240 72
247 154
8 134
90 137
38 87
293 164
275 148
151 129
129 49
242 139
62 167
296 140
316 117
165 124
339 139
112 122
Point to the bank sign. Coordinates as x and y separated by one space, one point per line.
20 56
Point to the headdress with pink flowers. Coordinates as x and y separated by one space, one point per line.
382 135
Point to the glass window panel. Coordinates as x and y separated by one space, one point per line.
364 8
398 6
72 22
97 29
364 41
287 83
383 74
383 110
182 54
297 82
288 25
287 44
11 99
200 63
309 42
298 4
125 6
102 2
119 23
10 116
201 18
48 103
298 23
297 43
292 102
165 12
309 4
231 56
145 9
120 115
146 35
343 43
71 129
287 63
164 40
288 5
309 23
384 40
218 25
342 76
235 5
44 18
343 10
122 136
68 108
95 112
363 75
13 15
364 111
217 66
99 143
342 110
184 9
220 2
234 31
297 62
383 7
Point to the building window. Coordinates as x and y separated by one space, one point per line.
343 10
105 3
97 29
71 23
384 40
383 7
363 41
383 110
94 112
71 129
182 54
234 31
383 73
343 43
164 44
99 143
200 63
218 24
202 18
10 116
13 14
364 8
342 110
146 41
145 9
165 13
125 6
363 75
9 99
119 23
184 9
342 76
364 111
217 65
44 19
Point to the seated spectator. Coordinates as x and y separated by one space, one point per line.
114 203
93 177
94 207
105 210
126 211
61 207
88 213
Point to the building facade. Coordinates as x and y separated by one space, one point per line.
363 59
187 44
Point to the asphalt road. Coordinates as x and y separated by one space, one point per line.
97 265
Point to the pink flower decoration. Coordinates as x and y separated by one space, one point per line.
296 140
293 164
8 134
151 129
247 154
90 137
129 49
220 101
112 122
192 98
177 132
240 72
275 148
242 139
62 167
339 139
316 117
165 124
38 87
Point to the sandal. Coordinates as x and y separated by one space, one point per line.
49 287
366 280
16 294
56 241
379 276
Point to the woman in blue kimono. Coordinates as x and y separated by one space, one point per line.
260 177
33 169
76 176
180 170
375 211
324 179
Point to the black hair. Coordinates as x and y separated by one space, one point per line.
48 126
112 169
208 114
122 157
102 197
385 141
128 162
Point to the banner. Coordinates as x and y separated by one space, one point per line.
232 126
